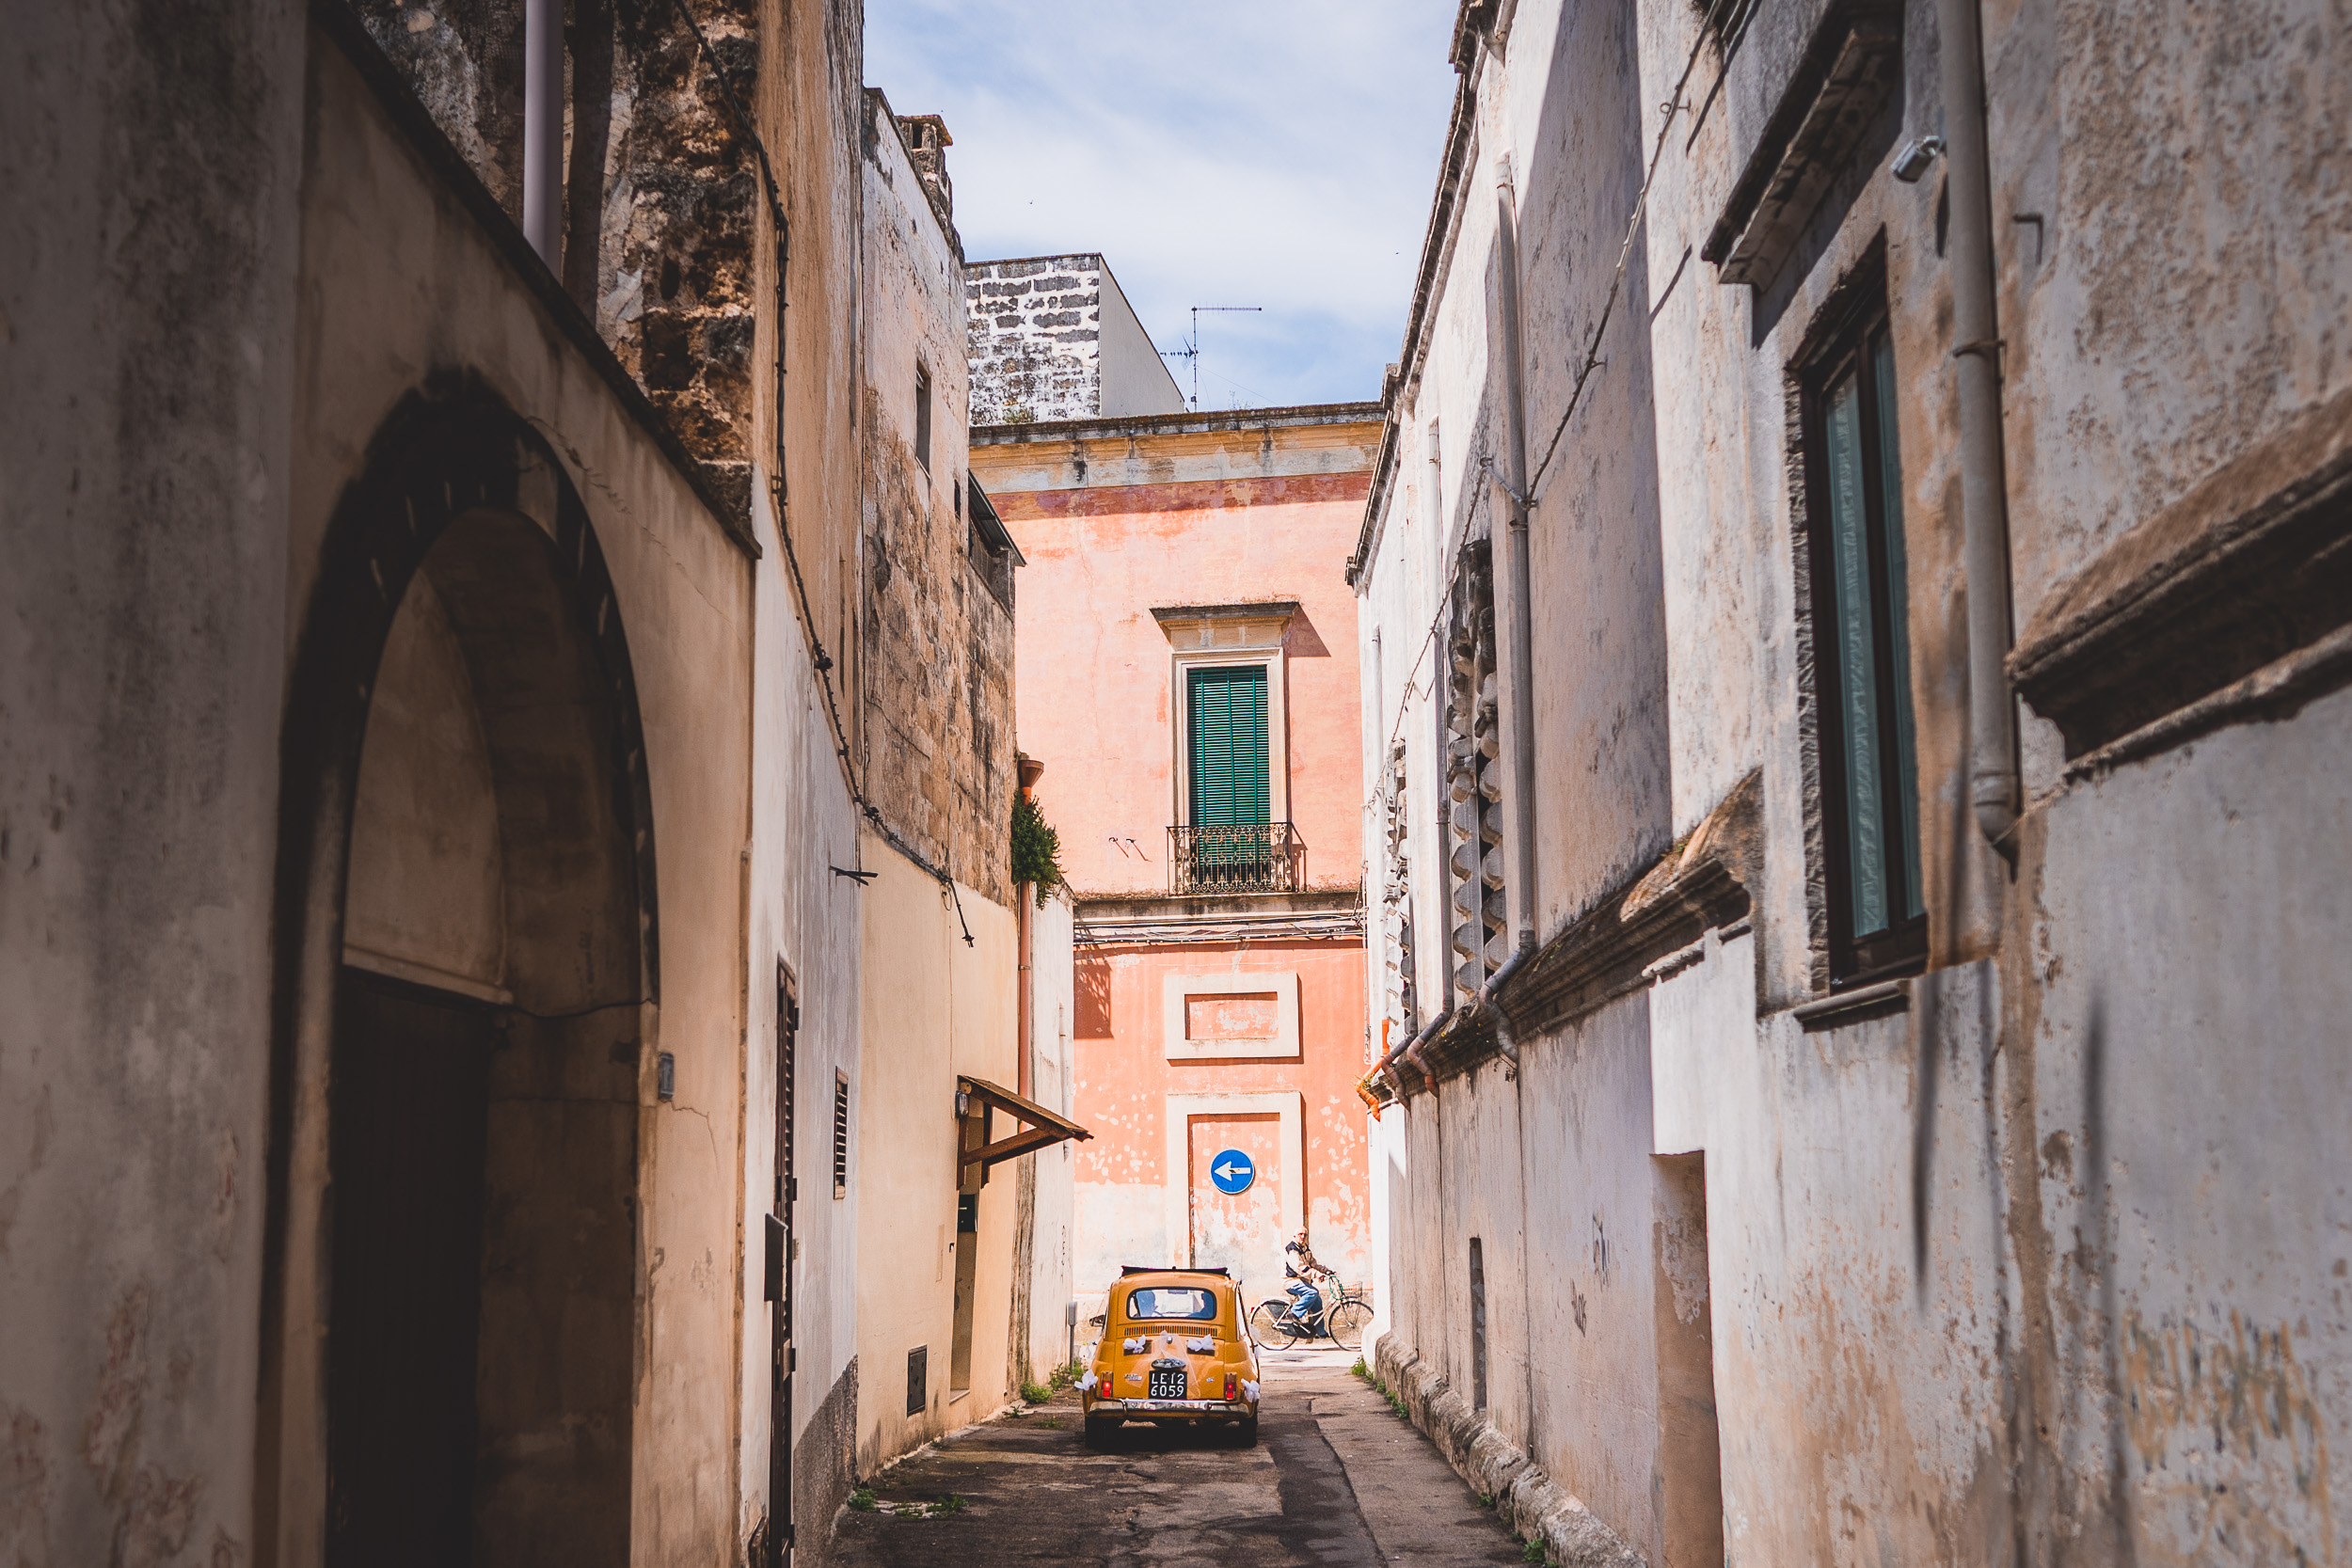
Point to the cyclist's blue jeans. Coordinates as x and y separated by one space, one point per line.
1308 1300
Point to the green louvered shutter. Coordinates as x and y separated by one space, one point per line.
1226 738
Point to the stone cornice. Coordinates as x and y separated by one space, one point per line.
2251 566
1611 951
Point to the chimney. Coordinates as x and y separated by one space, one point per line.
928 142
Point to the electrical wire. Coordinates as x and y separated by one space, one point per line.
1674 107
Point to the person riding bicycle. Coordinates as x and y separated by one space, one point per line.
1305 1274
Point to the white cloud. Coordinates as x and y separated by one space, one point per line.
1282 153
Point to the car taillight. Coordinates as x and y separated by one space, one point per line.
1229 1385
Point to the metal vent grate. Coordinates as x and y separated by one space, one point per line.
918 1380
840 1134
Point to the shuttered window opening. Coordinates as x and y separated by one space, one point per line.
1226 736
840 1134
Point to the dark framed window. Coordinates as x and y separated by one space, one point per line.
1861 630
923 417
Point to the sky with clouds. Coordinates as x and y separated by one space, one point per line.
1282 153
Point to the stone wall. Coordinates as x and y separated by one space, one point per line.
1053 337
937 641
661 191
1036 331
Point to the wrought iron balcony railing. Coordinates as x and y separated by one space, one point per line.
1233 857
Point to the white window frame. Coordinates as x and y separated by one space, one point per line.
1229 638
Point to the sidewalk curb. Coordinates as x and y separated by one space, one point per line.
1531 1501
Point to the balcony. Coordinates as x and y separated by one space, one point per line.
1235 857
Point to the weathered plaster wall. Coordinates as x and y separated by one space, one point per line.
809 107
2174 1096
145 396
1052 1285
1975 1273
1124 1076
1134 378
1189 511
428 886
931 1007
397 276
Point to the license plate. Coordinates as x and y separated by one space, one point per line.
1168 1386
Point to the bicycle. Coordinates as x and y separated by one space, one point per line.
1274 1325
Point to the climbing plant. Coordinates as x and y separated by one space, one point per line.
1036 848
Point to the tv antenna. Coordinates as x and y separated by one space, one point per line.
1192 345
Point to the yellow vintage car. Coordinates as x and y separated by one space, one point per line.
1172 1351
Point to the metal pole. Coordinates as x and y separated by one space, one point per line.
542 129
1984 473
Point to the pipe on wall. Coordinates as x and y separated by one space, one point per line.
542 129
1992 784
1517 649
1024 898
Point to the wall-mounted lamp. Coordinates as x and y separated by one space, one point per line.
963 1102
1917 156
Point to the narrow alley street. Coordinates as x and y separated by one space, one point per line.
1336 1477
730 726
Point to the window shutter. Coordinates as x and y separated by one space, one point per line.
1228 743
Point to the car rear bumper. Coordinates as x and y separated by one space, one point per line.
1167 1410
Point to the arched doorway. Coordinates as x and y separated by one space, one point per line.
472 861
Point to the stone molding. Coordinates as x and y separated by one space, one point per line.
1849 70
2200 611
1699 884
1531 1503
1176 995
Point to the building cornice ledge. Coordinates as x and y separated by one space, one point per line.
1235 420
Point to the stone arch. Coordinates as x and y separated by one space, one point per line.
467 968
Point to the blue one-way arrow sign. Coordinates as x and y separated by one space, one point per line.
1233 1172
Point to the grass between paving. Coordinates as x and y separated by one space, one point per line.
1532 1548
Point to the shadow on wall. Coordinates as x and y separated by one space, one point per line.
1091 1019
1302 641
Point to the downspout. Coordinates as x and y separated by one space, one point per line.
1518 708
1484 1006
1409 1052
1025 894
1992 787
542 129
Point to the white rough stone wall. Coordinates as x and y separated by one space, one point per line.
1037 338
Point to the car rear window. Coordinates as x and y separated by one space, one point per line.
1171 1301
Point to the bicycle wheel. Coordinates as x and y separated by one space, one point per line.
1270 1326
1346 1322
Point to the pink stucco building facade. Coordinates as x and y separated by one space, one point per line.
1185 654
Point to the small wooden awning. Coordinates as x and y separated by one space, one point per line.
1041 1128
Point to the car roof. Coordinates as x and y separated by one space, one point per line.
1200 1279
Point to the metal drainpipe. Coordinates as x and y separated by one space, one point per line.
1993 786
1519 716
542 129
1025 894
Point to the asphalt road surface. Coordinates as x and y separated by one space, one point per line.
1336 1479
